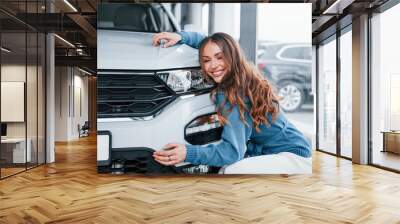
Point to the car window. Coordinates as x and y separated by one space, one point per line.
268 51
133 17
162 18
292 53
302 53
266 54
307 51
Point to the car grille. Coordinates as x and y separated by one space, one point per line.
131 94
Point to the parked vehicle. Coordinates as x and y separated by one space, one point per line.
147 96
288 67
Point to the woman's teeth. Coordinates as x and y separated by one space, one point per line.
217 73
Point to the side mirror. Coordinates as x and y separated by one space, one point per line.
194 28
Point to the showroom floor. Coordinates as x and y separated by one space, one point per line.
387 159
71 191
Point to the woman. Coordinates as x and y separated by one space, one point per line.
253 125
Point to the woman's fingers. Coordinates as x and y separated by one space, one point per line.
176 153
165 153
166 160
168 163
156 38
161 158
170 38
170 43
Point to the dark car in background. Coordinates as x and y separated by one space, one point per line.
288 67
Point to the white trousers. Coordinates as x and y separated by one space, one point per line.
281 163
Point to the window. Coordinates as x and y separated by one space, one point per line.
327 96
346 94
162 20
284 58
296 53
22 74
267 51
134 17
385 88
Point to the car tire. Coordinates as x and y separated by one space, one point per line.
292 95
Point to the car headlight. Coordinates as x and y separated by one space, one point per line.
185 80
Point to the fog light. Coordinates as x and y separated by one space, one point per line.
203 130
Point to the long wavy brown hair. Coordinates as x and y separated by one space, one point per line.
242 81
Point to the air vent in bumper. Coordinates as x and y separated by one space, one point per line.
131 94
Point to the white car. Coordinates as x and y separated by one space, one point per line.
147 96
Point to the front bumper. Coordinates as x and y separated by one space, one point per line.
117 136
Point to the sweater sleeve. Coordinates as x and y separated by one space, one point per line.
192 39
230 149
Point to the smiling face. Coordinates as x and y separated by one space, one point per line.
214 62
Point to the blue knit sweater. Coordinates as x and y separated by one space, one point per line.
241 140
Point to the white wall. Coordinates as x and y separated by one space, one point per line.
71 87
33 126
14 73
230 24
284 22
12 101
62 81
80 109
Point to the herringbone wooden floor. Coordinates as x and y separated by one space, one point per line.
71 191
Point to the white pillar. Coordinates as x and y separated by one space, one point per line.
50 98
360 90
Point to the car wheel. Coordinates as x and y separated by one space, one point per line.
292 96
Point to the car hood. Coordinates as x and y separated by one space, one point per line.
134 51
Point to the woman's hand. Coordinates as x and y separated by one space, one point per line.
169 38
172 156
